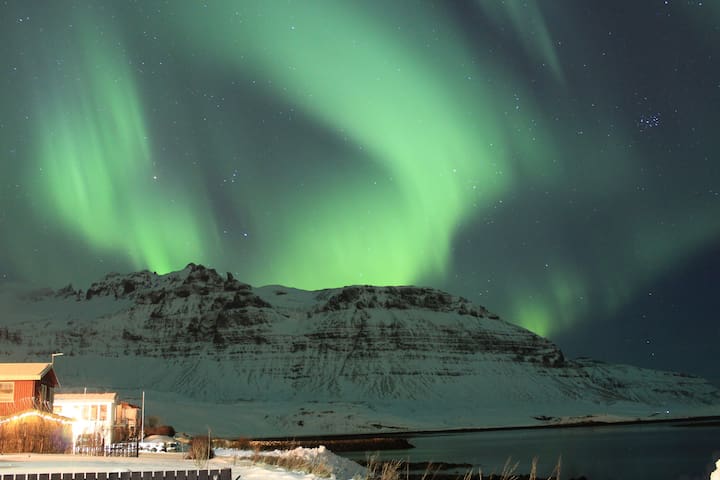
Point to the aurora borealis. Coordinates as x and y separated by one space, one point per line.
551 160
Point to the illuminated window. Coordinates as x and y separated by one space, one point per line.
103 413
7 391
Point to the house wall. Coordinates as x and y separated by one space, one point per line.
28 392
24 397
128 419
90 417
46 397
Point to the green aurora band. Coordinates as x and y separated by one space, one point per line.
435 134
529 26
423 135
97 166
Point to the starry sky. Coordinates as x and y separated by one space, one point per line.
553 160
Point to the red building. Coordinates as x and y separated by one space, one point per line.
26 386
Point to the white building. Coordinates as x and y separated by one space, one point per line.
93 416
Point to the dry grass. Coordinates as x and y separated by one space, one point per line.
392 470
509 471
34 434
295 464
556 471
383 470
200 451
395 469
533 468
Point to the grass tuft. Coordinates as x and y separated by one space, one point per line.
393 470
295 464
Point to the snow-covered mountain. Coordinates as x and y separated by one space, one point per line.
276 360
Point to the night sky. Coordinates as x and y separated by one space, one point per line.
555 161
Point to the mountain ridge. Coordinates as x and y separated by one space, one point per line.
400 357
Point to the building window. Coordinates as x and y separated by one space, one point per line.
103 413
7 392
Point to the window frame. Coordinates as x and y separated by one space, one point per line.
7 395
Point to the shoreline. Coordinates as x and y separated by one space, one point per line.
355 442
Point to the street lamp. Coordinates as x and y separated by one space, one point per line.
53 355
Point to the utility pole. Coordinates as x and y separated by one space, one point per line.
53 355
142 421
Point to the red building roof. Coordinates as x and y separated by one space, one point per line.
28 371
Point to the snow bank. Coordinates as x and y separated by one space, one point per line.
341 468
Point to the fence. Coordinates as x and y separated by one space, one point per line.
217 474
123 449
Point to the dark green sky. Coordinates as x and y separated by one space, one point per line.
554 161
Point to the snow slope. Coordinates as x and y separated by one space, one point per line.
212 351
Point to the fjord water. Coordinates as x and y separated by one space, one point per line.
629 452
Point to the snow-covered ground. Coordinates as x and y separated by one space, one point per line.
238 461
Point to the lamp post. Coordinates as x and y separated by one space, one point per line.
53 355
